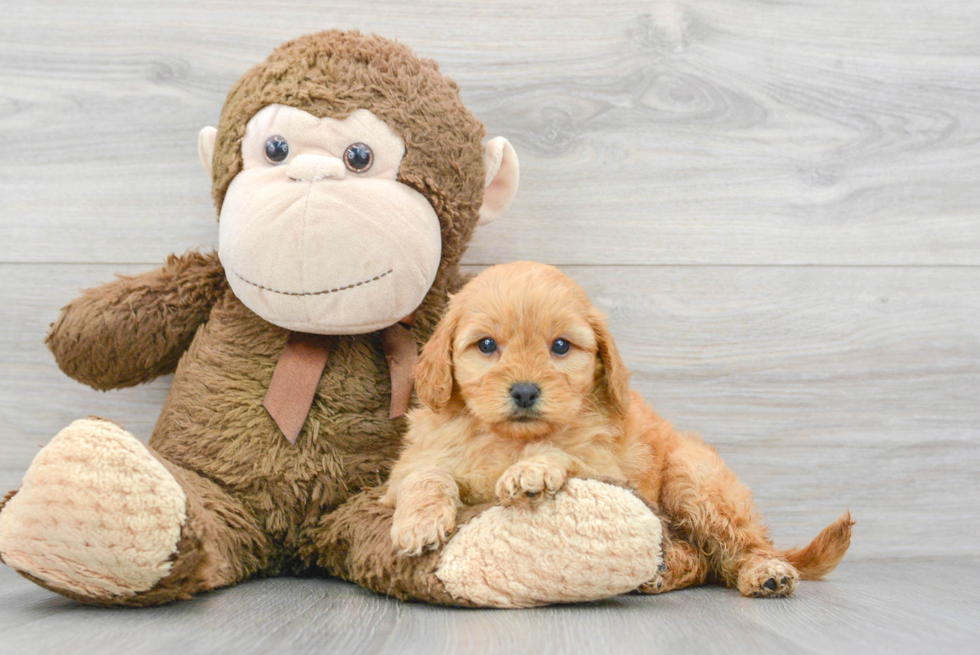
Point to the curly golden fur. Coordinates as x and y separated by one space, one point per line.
477 439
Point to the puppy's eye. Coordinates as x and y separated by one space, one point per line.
560 347
358 157
276 149
487 345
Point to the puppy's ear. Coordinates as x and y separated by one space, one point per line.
434 371
613 378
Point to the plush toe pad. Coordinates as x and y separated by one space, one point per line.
593 541
97 514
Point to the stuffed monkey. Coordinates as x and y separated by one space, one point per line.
348 178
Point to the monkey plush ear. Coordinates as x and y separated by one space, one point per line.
503 173
205 146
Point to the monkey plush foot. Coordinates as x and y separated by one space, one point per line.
97 516
594 540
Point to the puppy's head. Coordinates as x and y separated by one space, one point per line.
523 350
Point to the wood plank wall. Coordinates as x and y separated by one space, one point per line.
777 203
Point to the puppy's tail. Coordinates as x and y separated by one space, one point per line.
824 553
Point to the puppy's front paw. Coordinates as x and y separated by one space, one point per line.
767 577
416 529
530 481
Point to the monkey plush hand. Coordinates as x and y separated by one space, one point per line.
348 177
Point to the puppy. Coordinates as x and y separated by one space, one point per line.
523 388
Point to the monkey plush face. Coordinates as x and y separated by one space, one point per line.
348 177
316 232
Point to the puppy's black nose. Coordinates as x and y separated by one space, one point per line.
524 394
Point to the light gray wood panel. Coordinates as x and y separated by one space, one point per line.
818 131
38 400
892 607
823 388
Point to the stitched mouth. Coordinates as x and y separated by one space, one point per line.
316 293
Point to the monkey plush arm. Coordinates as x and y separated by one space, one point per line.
134 329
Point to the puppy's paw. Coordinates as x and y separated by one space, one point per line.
416 529
530 481
683 566
767 577
658 584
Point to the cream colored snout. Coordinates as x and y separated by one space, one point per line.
310 168
343 251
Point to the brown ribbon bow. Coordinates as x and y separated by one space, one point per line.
300 366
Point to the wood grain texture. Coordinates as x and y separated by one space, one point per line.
649 132
889 607
823 388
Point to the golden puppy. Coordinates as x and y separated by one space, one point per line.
523 388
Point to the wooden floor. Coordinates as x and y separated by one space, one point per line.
892 607
777 204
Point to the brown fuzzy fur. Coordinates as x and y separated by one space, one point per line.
473 443
258 505
135 329
335 73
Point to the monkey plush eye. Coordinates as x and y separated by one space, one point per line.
358 157
276 149
560 347
487 345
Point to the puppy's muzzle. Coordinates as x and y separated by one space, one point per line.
524 394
